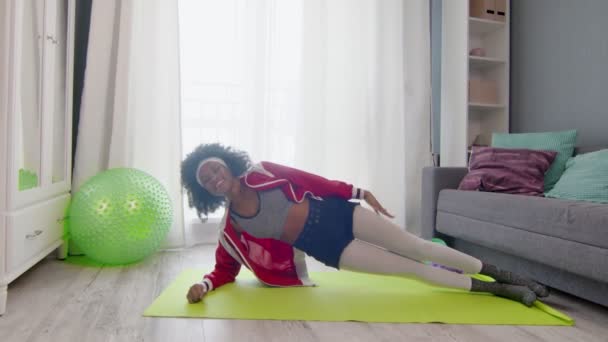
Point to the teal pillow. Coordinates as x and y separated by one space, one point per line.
561 142
585 178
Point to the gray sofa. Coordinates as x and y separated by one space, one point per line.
563 244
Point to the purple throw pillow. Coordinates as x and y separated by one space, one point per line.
506 170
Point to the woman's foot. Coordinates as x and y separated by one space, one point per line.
517 293
541 290
504 276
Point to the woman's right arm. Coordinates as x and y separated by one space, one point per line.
226 270
319 185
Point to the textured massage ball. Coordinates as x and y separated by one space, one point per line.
120 216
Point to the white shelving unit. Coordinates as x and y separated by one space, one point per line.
468 118
478 26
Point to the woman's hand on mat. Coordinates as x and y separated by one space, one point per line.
373 202
196 293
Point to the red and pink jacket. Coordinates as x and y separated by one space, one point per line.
273 262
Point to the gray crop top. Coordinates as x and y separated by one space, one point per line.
269 221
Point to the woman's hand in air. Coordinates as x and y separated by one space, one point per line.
196 293
373 202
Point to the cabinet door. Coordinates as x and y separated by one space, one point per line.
28 32
62 123
58 110
41 112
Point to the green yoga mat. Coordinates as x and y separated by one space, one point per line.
349 296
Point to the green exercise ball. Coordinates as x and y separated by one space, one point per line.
439 241
120 216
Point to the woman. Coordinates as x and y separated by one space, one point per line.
275 214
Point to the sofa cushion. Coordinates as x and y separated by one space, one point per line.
507 170
583 222
562 142
585 178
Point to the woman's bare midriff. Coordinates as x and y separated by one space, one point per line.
296 219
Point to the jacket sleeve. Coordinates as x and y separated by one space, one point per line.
319 186
226 269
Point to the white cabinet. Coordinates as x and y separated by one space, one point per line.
36 76
474 76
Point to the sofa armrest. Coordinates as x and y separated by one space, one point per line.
435 179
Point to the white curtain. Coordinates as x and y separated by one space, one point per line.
417 92
336 87
130 111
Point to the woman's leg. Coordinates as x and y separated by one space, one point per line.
363 257
372 228
360 256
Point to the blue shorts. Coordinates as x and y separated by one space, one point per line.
328 230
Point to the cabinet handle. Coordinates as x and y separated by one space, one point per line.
33 236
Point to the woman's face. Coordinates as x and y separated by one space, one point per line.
216 178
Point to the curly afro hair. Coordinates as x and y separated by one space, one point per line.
204 202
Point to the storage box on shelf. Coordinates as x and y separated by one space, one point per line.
488 9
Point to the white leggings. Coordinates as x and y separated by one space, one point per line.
381 247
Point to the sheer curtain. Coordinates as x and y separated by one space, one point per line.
336 87
130 110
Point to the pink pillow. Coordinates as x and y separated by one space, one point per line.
506 170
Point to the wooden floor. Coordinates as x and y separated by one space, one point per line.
58 301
